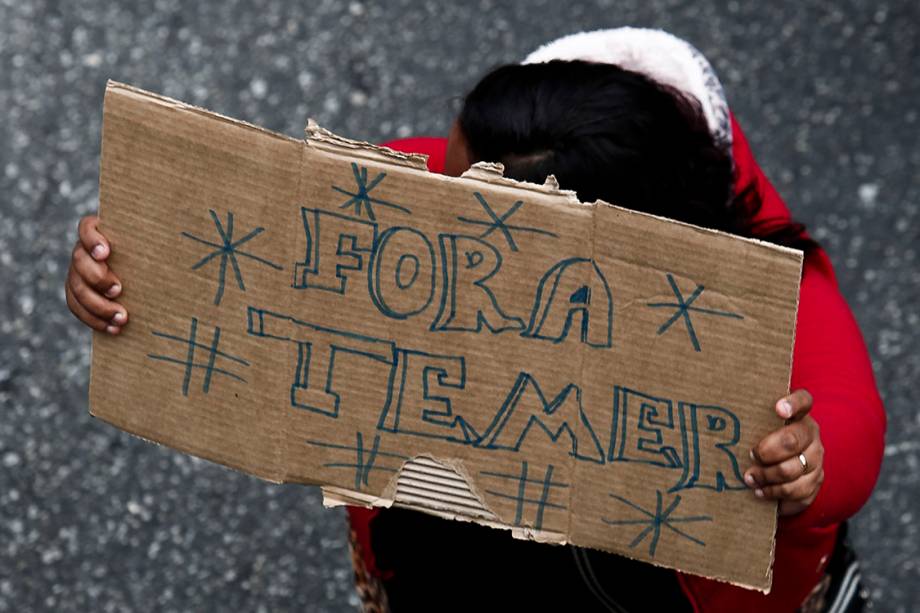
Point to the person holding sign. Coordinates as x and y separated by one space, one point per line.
636 118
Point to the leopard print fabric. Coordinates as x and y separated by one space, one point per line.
370 588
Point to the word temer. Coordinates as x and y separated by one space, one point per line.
698 441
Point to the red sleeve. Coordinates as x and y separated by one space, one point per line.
830 361
434 147
774 210
748 172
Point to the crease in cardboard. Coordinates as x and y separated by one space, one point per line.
282 417
583 353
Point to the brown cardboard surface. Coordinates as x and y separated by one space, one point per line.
326 312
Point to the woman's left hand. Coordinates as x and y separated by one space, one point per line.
788 464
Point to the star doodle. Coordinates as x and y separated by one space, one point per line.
228 250
682 310
499 222
361 200
653 522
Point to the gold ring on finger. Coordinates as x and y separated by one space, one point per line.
804 462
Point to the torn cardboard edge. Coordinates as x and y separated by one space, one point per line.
335 497
443 502
485 173
322 139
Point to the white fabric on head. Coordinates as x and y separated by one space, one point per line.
658 55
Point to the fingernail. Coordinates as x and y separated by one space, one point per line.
785 409
749 479
751 453
119 318
112 329
759 493
113 291
98 251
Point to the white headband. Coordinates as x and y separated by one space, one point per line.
658 55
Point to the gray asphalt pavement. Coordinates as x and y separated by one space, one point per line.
92 519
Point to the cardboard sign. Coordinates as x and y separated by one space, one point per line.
326 312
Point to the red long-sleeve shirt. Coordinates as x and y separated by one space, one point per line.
830 361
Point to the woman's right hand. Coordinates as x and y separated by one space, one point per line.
91 287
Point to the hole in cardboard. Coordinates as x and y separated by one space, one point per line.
426 483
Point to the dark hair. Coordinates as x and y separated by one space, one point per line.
615 135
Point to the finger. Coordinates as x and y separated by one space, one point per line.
787 470
794 406
95 303
95 274
803 488
787 442
95 244
88 318
792 507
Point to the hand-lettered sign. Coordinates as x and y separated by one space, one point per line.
323 311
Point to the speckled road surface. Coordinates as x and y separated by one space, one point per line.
92 519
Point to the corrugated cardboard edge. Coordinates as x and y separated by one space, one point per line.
335 497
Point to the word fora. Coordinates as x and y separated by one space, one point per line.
402 279
420 391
